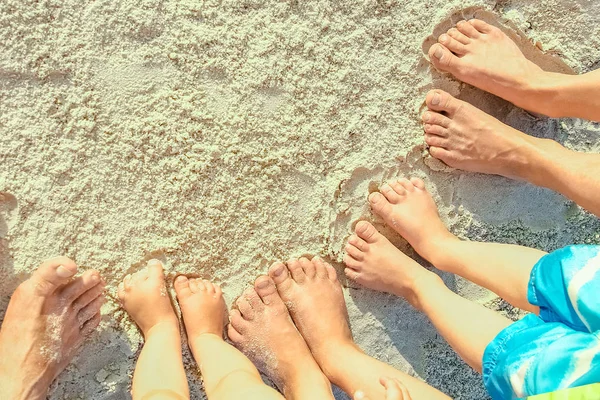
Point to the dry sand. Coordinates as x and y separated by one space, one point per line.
220 136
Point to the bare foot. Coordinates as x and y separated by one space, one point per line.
465 137
376 263
144 296
48 318
202 307
262 329
408 208
482 55
315 300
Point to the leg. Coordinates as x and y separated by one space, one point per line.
261 327
159 372
314 297
501 268
467 138
226 372
48 318
482 55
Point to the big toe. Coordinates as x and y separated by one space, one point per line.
182 287
279 273
265 287
438 100
366 231
52 274
443 59
155 269
380 205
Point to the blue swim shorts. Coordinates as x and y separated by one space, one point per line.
560 348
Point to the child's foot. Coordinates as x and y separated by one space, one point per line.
202 307
315 300
482 55
48 318
408 208
144 296
465 137
376 263
262 329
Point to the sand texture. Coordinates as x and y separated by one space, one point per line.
220 136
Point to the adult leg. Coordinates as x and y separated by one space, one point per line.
485 57
502 268
262 329
48 318
159 372
226 372
314 298
465 137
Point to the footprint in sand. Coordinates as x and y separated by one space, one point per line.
8 212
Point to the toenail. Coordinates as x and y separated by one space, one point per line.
279 270
444 38
63 272
426 117
154 263
436 99
181 278
95 278
263 284
438 53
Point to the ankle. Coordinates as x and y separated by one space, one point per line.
164 326
328 356
304 377
423 287
437 248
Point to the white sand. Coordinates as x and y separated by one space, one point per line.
220 136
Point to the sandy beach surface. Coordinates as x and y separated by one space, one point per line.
220 136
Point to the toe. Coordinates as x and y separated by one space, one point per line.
352 274
398 188
357 242
295 269
481 26
253 298
418 183
467 29
436 130
90 310
458 36
354 252
87 297
80 285
366 232
91 325
237 321
443 59
406 184
452 44
233 334
320 267
439 100
440 153
196 285
279 273
210 288
434 118
182 287
127 282
243 305
155 269
331 273
266 290
308 267
380 205
52 274
352 263
121 291
435 140
389 193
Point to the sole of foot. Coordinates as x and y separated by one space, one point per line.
374 262
48 318
482 55
202 306
261 327
144 296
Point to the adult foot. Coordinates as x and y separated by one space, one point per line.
465 137
262 329
315 300
482 55
144 296
202 307
48 318
408 208
376 263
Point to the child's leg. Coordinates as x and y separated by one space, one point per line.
227 373
467 326
409 209
159 372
